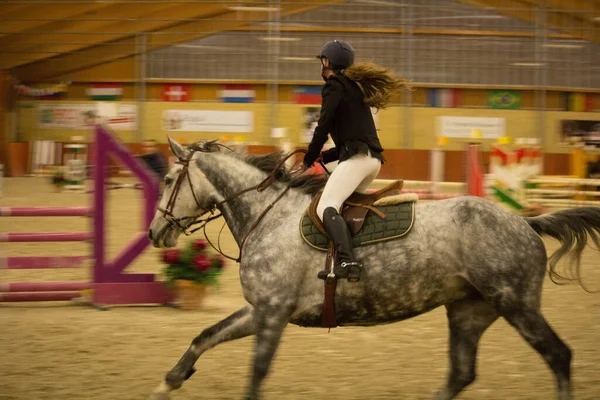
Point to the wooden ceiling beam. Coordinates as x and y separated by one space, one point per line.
60 67
528 12
581 8
118 38
73 29
7 8
450 32
20 19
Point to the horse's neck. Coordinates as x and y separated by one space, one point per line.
230 177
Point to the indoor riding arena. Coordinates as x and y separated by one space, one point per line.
504 105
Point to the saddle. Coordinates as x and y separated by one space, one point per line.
372 217
356 207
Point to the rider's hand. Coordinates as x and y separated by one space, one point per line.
300 169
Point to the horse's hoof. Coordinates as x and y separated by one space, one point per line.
161 392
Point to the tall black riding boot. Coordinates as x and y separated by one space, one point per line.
337 229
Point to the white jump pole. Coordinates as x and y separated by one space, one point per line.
436 167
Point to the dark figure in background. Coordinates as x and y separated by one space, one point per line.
155 161
153 158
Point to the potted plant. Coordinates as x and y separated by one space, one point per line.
190 270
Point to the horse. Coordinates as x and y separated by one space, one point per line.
468 254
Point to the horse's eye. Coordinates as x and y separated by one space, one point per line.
168 181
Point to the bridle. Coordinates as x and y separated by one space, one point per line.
197 222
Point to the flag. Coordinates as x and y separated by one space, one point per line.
176 92
505 99
308 94
237 94
104 91
449 98
577 101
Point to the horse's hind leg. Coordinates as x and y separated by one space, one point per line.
468 319
535 330
238 325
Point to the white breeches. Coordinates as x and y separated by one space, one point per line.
352 175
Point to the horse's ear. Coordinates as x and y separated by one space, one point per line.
178 150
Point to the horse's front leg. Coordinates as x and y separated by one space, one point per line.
270 319
238 325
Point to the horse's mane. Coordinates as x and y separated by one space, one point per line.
306 183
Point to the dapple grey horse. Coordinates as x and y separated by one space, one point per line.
478 260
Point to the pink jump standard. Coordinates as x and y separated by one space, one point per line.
110 285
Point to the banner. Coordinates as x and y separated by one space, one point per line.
505 99
576 132
43 92
471 127
208 121
72 116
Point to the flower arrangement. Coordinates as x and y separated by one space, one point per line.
193 263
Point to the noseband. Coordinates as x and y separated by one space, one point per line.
197 222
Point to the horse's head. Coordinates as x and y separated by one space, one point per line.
187 195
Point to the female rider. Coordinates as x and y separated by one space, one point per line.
349 93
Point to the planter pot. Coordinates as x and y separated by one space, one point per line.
190 295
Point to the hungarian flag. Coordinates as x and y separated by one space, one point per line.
104 91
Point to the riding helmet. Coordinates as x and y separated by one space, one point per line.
339 53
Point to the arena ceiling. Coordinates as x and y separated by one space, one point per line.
52 39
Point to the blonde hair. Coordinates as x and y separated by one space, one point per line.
377 83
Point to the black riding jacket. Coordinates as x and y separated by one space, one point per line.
348 119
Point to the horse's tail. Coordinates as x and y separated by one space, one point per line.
572 228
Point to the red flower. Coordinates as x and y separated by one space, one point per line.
221 263
202 263
200 244
171 256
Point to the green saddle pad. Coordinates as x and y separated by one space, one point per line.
399 221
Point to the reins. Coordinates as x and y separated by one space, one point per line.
198 222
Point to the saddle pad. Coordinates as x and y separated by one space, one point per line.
399 221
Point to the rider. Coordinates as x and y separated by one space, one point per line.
349 93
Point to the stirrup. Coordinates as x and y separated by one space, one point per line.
350 270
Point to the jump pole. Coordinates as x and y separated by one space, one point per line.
110 285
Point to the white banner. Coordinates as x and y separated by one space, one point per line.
208 121
471 127
72 116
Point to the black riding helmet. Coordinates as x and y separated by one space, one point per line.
339 53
